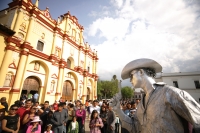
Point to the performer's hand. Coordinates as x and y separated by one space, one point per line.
115 101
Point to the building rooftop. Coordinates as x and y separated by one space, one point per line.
196 73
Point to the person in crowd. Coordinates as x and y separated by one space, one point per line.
86 104
104 104
59 119
19 103
110 120
137 101
4 103
30 96
74 126
117 124
37 105
23 100
100 103
28 118
133 109
66 110
70 101
48 129
81 114
133 106
43 116
66 102
124 109
35 126
95 106
23 97
64 106
2 114
128 108
35 97
61 100
103 116
55 105
51 108
77 105
11 122
22 111
49 118
96 123
88 109
71 114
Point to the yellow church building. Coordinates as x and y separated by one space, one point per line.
40 54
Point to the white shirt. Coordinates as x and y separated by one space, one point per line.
100 103
73 125
97 108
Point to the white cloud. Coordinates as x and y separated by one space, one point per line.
167 31
93 14
109 28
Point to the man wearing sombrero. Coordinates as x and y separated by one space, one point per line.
163 109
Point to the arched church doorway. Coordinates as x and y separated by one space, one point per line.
31 86
88 93
67 90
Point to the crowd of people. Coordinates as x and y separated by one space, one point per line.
28 116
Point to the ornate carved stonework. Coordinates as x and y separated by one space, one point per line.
23 26
37 66
38 29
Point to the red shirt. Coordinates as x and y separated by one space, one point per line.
22 112
55 106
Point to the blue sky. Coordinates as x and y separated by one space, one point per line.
167 31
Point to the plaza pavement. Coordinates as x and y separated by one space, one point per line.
87 130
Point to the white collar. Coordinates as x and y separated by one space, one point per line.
160 83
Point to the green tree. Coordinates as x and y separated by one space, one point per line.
99 89
115 83
127 92
107 89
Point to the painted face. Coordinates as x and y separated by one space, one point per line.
136 79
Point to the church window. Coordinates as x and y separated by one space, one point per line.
40 46
197 85
68 63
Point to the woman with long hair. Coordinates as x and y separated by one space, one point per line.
103 116
29 117
96 123
11 122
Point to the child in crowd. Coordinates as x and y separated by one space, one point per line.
73 127
95 122
48 130
35 126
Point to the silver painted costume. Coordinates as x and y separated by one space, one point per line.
166 111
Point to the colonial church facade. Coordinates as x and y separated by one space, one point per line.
40 54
